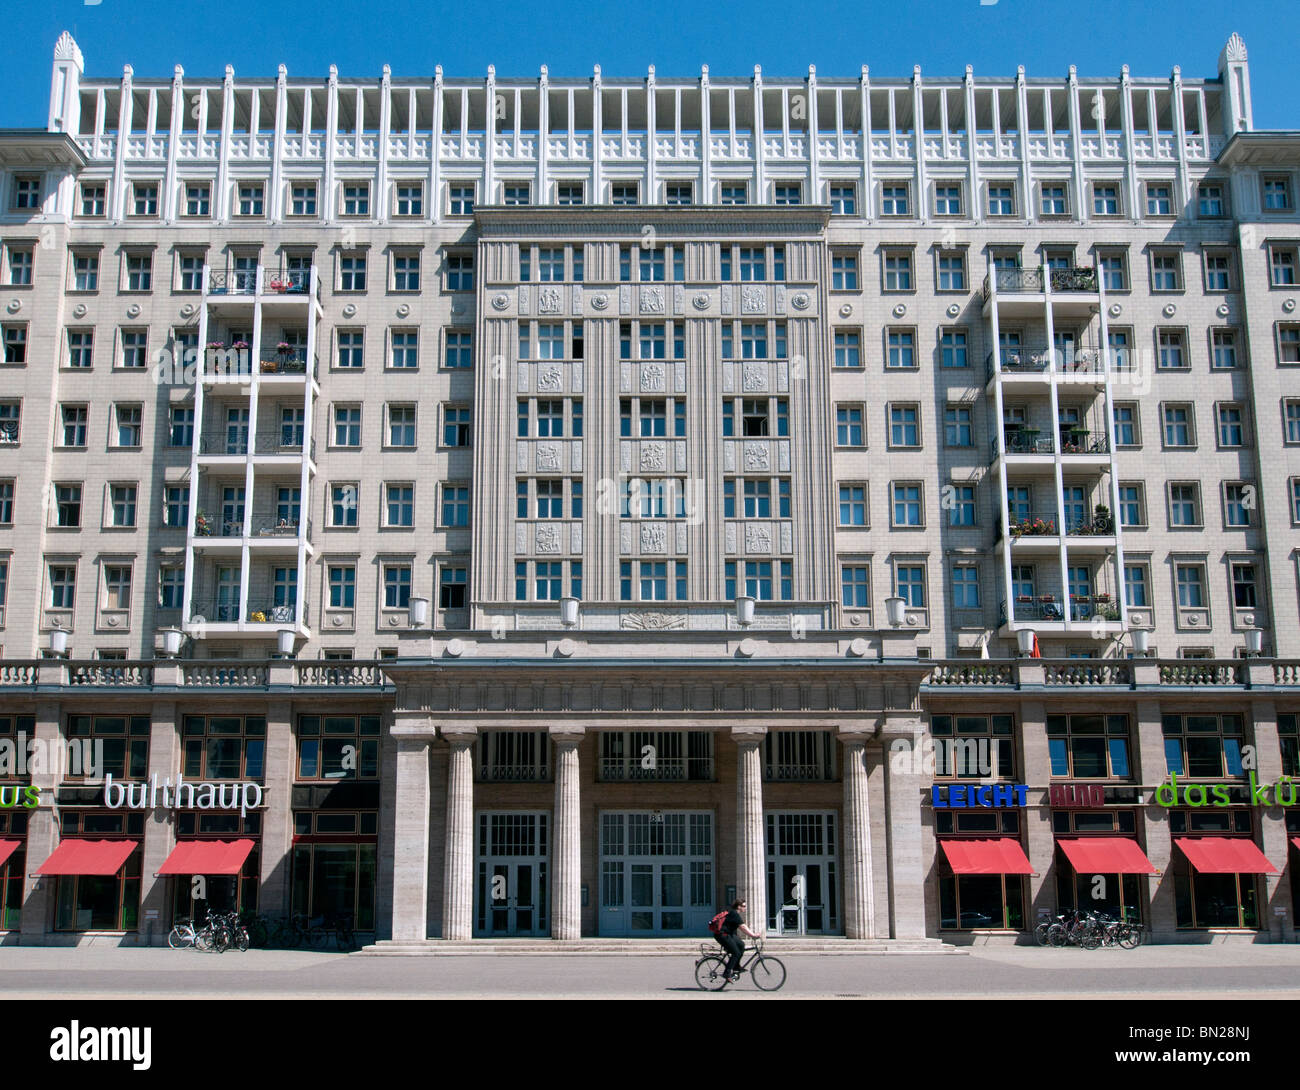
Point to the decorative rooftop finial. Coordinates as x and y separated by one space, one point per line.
281 72
916 71
437 72
970 71
595 71
1178 71
127 72
812 71
545 72
334 73
65 49
178 72
492 72
386 73
1123 71
704 71
230 72
1234 50
650 75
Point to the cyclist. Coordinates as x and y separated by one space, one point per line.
734 922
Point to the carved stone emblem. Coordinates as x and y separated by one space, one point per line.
700 302
758 538
753 300
654 538
654 456
799 300
548 456
653 621
500 301
753 377
548 378
652 300
600 302
652 376
548 539
757 456
548 301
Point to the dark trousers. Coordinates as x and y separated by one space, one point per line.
735 946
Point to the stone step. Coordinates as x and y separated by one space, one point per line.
646 947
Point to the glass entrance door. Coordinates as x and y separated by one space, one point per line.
802 893
656 873
510 888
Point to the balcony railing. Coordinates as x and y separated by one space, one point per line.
108 673
221 611
779 773
1033 524
1025 281
975 673
1074 279
8 433
219 674
230 282
514 773
340 673
1084 442
1201 672
626 769
1025 441
297 282
1038 359
1029 607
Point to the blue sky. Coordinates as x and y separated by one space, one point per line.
942 36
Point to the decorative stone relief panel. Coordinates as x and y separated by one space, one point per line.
754 377
548 457
548 300
758 456
654 456
575 456
652 621
521 538
549 378
548 539
523 298
787 537
679 298
575 538
679 377
679 532
783 376
758 538
521 384
652 300
521 457
625 378
783 455
753 299
729 457
729 538
625 298
653 378
728 378
726 298
577 300
575 376
654 537
625 538
679 457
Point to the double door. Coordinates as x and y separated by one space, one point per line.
802 873
512 875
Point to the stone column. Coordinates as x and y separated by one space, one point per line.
458 869
411 828
566 866
903 809
276 842
1148 745
859 908
42 834
1275 841
751 848
1040 838
159 827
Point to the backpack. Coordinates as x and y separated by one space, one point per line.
715 924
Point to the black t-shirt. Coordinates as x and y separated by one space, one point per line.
732 923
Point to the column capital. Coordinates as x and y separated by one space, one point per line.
566 734
900 724
748 735
411 724
859 734
460 734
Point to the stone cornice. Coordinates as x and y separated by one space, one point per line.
672 221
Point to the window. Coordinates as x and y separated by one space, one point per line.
1288 344
729 193
893 200
1277 193
1232 431
679 193
139 272
947 200
67 505
180 423
189 272
1184 505
1127 430
10 421
1223 349
401 425
1159 199
898 270
135 348
844 199
144 199
1203 747
1002 199
515 193
121 504
251 199
961 505
1054 200
1105 199
406 349
460 272
93 198
1243 586
957 430
343 504
902 349
1135 585
623 193
904 426
1089 747
853 504
85 270
117 586
302 199
1282 266
74 425
347 425
1166 270
848 426
171 587
1218 270
352 271
176 505
453 584
1238 502
63 586
15 342
965 587
356 198
907 509
406 271
20 265
1210 202
909 584
1171 350
7 502
399 505
455 505
458 350
397 586
460 199
1291 420
787 193
952 270
1295 500
848 348
351 348
568 193
343 586
1132 504
952 348
198 200
127 425
410 199
456 426
1114 269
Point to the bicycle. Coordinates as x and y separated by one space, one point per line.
182 935
767 972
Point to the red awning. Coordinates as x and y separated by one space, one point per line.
1224 855
88 857
1296 841
207 857
7 848
1106 855
1001 855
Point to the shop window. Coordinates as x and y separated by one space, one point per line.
91 902
1089 746
1201 747
125 750
973 746
338 747
224 747
334 866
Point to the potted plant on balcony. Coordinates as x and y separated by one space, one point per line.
1102 522
257 616
202 526
278 285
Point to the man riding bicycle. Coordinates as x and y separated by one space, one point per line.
726 936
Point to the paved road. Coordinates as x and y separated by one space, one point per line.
1154 972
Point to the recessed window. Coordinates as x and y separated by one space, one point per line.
406 270
14 335
787 193
623 193
73 419
251 199
456 426
900 349
356 198
352 271
909 584
1166 270
1238 503
898 270
1105 199
302 199
198 199
1132 504
1001 199
952 270
894 200
139 271
844 270
343 585
1160 199
1054 200
848 348
67 505
1171 349
459 270
351 348
409 199
455 505
947 199
568 193
458 351
953 343
1288 344
957 426
848 426
1184 505
399 505
855 586
85 270
93 199
906 507
728 193
343 504
121 505
460 199
347 425
144 199
1218 270
397 586
853 504
1277 193
1232 428
453 586
516 193
80 347
405 349
1282 266
135 348
1179 426
960 502
844 199
401 425
1127 430
679 193
1114 269
1291 420
1210 203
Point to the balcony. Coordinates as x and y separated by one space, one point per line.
210 611
1025 441
1037 361
1023 292
514 772
232 282
8 433
672 769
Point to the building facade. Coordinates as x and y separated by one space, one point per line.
569 503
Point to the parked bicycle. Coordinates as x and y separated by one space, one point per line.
1089 930
767 973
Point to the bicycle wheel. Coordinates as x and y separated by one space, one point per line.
1090 939
1057 935
711 973
203 940
221 939
180 937
767 973
241 939
1130 936
1040 933
290 937
258 933
318 938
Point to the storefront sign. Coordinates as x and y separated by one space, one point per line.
1080 796
182 796
1198 794
956 796
29 797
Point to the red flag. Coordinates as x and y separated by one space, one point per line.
1036 653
